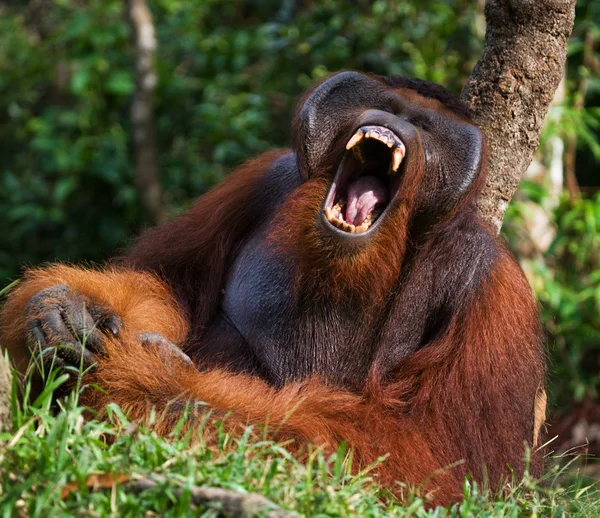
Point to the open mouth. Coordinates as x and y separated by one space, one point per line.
366 181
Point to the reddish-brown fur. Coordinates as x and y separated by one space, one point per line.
464 403
136 296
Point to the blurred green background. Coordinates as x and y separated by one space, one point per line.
229 74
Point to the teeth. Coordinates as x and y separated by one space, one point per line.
348 227
383 135
338 208
334 216
356 138
363 227
397 156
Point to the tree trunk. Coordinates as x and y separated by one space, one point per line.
512 86
142 116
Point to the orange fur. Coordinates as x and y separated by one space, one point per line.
457 398
143 302
322 261
419 421
308 411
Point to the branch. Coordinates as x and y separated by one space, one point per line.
233 503
142 110
512 86
5 394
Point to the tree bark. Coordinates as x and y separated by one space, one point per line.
142 115
512 86
5 393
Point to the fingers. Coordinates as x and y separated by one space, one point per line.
81 325
76 327
52 338
65 328
168 350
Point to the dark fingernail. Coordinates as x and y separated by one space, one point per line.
113 328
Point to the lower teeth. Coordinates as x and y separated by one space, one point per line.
334 216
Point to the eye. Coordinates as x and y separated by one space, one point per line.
394 105
420 121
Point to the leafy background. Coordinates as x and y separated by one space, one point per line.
230 72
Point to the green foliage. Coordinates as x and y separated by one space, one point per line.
65 176
229 73
567 282
51 462
571 297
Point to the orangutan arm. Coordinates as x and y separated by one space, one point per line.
172 275
69 306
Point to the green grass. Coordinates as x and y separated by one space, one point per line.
50 461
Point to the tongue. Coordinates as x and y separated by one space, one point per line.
363 195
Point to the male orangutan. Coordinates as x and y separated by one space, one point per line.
342 290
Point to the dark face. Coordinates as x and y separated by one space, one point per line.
328 291
382 147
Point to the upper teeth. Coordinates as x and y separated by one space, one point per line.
384 136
